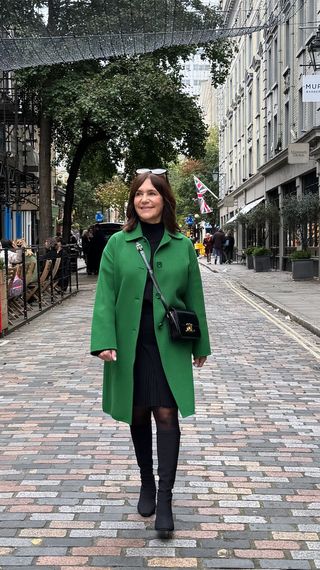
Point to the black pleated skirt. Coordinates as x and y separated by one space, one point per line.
151 388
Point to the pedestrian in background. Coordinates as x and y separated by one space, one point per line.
208 246
218 241
86 237
145 372
96 246
229 246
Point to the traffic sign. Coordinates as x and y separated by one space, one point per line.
189 220
99 217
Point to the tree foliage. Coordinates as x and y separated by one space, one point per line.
181 178
85 204
113 194
299 213
130 111
261 215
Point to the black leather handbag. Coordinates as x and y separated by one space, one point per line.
183 325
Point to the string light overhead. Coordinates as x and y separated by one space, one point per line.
76 30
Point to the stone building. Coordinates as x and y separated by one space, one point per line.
262 114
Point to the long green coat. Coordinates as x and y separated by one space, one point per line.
117 313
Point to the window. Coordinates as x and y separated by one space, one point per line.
258 94
286 124
249 51
270 74
275 133
301 124
249 107
287 44
275 60
301 22
269 140
250 162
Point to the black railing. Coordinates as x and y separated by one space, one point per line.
32 280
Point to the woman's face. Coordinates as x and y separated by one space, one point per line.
148 203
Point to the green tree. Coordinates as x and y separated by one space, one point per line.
182 181
114 194
133 108
85 204
299 214
98 119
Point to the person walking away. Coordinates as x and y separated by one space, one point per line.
218 241
96 247
146 373
208 246
229 246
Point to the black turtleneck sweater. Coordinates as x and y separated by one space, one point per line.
153 233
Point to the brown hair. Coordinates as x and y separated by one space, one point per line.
161 184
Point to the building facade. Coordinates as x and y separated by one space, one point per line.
262 113
194 72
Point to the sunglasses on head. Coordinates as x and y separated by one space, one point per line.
157 171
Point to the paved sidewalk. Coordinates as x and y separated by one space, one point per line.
299 300
247 494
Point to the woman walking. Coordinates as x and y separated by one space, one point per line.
145 372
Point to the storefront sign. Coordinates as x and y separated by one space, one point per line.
311 88
298 153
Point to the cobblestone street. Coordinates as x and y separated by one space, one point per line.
247 493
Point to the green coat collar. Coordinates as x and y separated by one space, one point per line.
137 233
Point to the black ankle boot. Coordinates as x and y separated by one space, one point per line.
147 499
168 451
142 441
164 517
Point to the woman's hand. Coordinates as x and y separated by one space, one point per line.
108 355
199 362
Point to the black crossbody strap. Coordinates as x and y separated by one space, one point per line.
155 282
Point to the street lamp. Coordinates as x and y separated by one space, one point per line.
215 176
314 51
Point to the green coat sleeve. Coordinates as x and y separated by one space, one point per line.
103 332
195 302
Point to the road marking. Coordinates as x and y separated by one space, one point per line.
308 345
3 342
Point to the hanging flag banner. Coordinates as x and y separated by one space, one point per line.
201 190
204 208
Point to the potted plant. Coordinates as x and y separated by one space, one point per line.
298 214
3 298
261 259
302 265
261 219
249 258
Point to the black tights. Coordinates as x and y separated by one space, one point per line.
165 418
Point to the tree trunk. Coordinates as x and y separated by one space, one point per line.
45 211
73 173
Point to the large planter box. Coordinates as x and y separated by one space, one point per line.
249 261
302 269
261 263
3 302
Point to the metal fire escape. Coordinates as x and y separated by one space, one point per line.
18 156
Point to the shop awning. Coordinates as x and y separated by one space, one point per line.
246 209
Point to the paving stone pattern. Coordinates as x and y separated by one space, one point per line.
247 493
